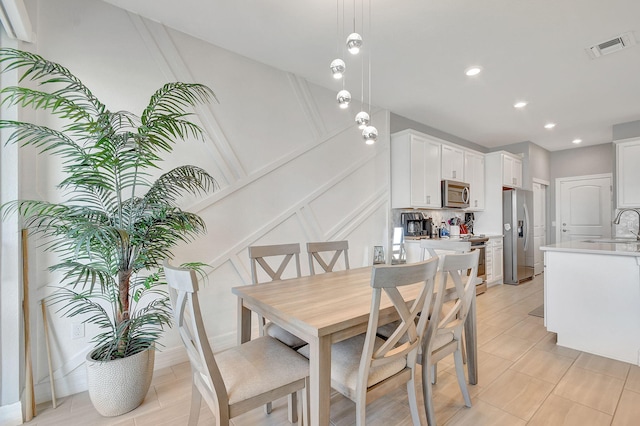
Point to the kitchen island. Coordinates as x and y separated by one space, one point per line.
592 296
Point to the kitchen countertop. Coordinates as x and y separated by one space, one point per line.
596 246
463 237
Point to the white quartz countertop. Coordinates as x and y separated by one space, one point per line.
598 246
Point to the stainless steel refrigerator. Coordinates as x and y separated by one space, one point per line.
517 217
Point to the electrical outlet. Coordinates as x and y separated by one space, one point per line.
77 330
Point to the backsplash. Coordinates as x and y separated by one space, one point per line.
438 216
628 223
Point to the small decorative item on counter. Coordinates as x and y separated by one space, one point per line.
444 232
378 255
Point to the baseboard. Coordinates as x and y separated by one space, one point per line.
11 414
494 283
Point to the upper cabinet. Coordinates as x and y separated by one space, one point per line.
415 171
628 173
511 171
419 162
474 175
452 163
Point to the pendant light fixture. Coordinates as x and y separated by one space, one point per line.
337 68
354 45
362 119
343 97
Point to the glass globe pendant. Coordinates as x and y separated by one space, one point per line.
354 43
370 134
337 68
343 97
362 119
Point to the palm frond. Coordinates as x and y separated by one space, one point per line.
179 181
36 68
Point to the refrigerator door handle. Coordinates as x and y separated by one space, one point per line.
526 227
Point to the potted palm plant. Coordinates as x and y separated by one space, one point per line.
117 223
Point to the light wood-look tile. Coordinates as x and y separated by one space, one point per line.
507 347
548 344
628 411
483 414
592 389
517 393
603 365
523 375
487 333
490 367
543 365
558 411
633 379
528 330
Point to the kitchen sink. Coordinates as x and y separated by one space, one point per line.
614 240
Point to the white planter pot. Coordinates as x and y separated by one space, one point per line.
119 386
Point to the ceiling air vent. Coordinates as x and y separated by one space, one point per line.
615 44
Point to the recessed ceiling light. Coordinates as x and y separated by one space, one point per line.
520 104
577 141
473 71
550 125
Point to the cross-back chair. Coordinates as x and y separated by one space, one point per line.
444 331
274 260
315 250
366 367
239 379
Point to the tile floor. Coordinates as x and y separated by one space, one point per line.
524 379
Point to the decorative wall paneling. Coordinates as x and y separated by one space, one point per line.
291 166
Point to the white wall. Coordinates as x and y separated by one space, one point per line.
11 324
292 167
589 160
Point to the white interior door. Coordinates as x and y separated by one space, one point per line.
539 226
583 207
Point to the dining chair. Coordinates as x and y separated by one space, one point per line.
273 260
239 379
444 330
429 246
448 246
315 250
366 367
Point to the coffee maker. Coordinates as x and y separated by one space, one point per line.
416 225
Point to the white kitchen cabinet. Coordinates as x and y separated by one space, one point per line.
494 260
415 171
628 173
474 175
511 171
452 163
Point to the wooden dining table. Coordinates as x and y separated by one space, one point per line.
327 308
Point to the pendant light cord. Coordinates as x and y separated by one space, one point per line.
370 53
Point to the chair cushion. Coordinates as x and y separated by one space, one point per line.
283 335
385 331
442 339
258 366
345 362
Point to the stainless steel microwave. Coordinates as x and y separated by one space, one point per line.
455 194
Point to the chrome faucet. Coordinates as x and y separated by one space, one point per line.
616 221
